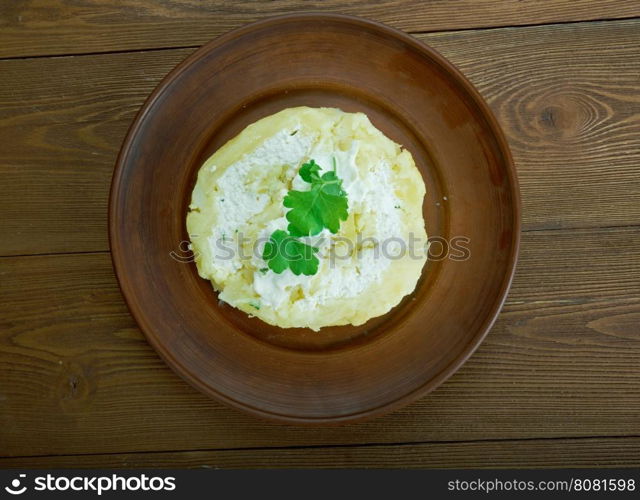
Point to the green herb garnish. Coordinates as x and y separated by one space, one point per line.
283 251
323 206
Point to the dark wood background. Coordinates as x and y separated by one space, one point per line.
557 381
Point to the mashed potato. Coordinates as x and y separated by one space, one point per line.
365 268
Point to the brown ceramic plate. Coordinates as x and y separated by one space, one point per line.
416 98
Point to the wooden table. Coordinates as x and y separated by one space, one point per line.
557 381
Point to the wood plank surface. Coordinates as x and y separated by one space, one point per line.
37 27
567 97
555 384
556 453
563 360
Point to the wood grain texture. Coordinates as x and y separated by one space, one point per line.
36 27
62 127
555 453
76 375
567 97
563 360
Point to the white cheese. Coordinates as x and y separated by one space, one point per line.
237 205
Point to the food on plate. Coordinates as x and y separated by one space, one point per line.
310 217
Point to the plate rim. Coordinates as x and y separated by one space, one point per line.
512 178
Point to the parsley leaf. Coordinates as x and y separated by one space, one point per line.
309 171
283 251
324 205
